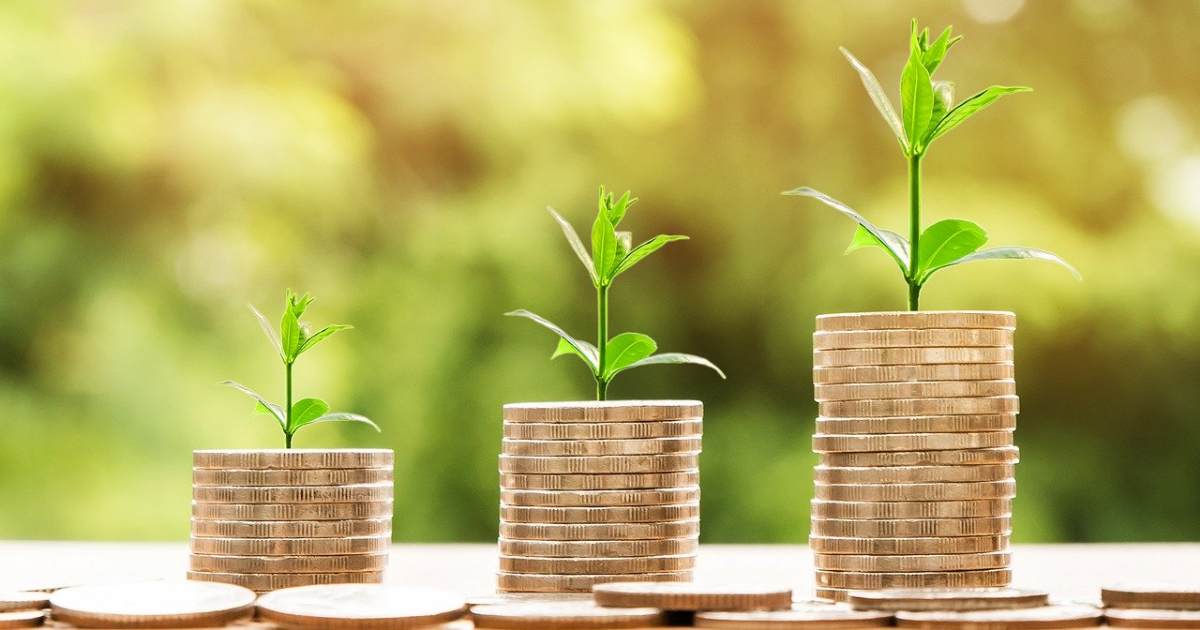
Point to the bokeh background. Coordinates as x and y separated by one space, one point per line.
162 164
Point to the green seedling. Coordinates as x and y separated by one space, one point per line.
293 340
612 254
927 113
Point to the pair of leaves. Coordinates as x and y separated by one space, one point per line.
304 412
293 339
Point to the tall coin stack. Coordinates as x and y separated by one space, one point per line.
271 519
915 482
598 492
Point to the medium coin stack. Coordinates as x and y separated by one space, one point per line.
598 492
915 483
272 519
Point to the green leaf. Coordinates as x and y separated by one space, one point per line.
306 410
270 332
289 330
675 358
641 251
272 408
879 97
624 244
576 245
970 107
943 100
320 336
935 53
945 242
916 98
1016 253
604 247
586 351
863 238
342 417
616 210
297 304
890 241
626 349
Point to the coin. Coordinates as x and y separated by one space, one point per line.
360 607
23 601
911 373
898 564
917 491
694 596
908 546
914 528
989 577
293 458
602 430
165 604
564 616
528 582
599 548
600 482
22 619
290 546
912 338
833 594
498 599
274 581
560 448
874 443
1152 595
294 494
913 474
973 423
600 531
293 529
799 617
916 320
289 564
1148 618
605 411
597 566
910 509
901 407
611 514
309 477
603 465
925 389
1039 618
598 498
1001 455
291 511
948 599
910 356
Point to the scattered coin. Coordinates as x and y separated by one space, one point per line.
907 546
973 423
564 616
1150 618
901 407
916 320
22 619
1039 618
909 373
948 599
989 577
913 474
274 581
289 564
611 411
917 491
294 494
360 607
291 511
165 604
694 596
576 448
499 599
597 566
910 356
526 582
599 481
23 601
599 498
897 564
1152 595
600 531
293 458
303 477
910 337
608 514
293 529
799 617
602 430
919 390
291 546
598 548
1001 455
875 443
603 465
914 528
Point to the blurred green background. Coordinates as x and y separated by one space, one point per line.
162 164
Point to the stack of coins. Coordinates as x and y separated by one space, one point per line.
598 492
915 482
271 519
1161 605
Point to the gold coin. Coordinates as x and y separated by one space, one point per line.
310 477
912 338
597 566
290 546
908 546
799 617
531 583
261 582
23 601
615 464
291 511
288 564
602 430
974 423
294 494
875 443
925 389
1152 595
910 509
1148 618
913 528
913 474
694 596
833 594
605 411
916 320
560 448
611 514
910 356
989 577
600 482
164 604
901 407
948 599
293 529
911 373
894 564
973 457
564 616
499 599
917 491
599 498
600 531
22 619
360 607
1039 618
599 548
293 458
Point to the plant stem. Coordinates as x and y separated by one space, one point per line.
914 230
288 409
601 340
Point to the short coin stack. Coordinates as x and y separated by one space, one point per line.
271 519
1163 605
915 482
598 492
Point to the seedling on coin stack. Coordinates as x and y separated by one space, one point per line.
917 408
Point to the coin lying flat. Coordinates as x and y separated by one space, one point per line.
989 577
598 548
912 337
289 564
166 604
291 511
600 531
22 619
910 356
948 599
602 430
919 407
1152 595
925 389
916 320
910 373
564 616
598 566
917 491
360 607
608 411
305 477
874 443
908 546
294 494
275 581
290 546
694 596
23 601
295 458
910 509
500 599
973 423
914 528
293 529
604 465
609 514
799 617
832 594
894 564
1039 618
913 474
528 582
1150 618
1001 455
599 498
600 482
576 448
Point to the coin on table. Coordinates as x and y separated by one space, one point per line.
262 582
599 548
917 491
564 616
694 596
597 566
973 423
599 498
289 564
22 619
528 582
918 407
874 443
910 509
600 531
23 601
907 546
910 373
514 481
298 458
913 528
1038 618
602 430
602 411
1152 595
1150 618
910 356
576 448
919 390
912 337
291 511
971 457
916 320
293 529
290 546
799 617
499 599
607 514
606 465
294 494
896 564
850 580
948 599
166 604
360 607
913 474
303 477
